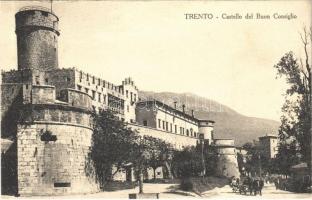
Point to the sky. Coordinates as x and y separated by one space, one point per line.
227 60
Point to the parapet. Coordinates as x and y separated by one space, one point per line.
74 107
76 98
224 142
36 16
43 94
205 123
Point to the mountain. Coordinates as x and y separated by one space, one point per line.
228 123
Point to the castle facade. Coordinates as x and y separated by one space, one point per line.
46 112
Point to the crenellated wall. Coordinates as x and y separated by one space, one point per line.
17 76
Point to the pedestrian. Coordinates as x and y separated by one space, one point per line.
256 186
261 184
250 185
275 183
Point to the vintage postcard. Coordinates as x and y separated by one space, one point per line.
156 99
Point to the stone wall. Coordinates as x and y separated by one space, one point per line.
76 98
61 79
20 76
53 144
227 158
54 167
43 94
11 101
176 140
37 34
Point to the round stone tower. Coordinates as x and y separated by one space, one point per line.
37 32
227 158
206 129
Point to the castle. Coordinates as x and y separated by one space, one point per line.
46 112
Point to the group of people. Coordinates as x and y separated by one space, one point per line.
253 185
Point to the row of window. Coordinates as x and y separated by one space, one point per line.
116 103
104 84
110 86
169 127
107 85
99 99
133 96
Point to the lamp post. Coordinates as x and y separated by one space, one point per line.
203 159
259 157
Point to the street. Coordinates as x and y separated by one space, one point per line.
170 191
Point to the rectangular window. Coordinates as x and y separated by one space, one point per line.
170 127
87 90
164 125
181 130
175 129
45 13
93 79
127 93
127 108
79 87
93 94
167 126
131 96
104 98
159 123
134 97
145 123
99 97
61 184
37 80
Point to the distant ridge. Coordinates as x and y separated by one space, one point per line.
229 123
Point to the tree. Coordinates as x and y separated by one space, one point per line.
210 157
113 144
256 160
187 163
158 152
295 129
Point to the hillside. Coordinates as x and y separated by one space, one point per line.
229 123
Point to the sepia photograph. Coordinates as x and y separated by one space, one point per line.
159 99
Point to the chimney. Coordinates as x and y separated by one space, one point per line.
175 105
192 113
183 108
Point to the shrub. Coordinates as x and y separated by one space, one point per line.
186 184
